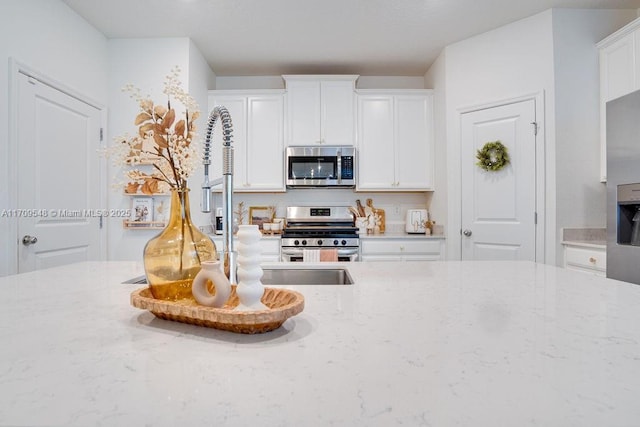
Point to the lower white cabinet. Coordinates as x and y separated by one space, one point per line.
269 247
401 249
587 259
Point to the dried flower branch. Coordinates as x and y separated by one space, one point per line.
164 140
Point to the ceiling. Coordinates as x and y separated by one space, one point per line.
272 37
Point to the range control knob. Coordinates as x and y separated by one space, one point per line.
335 242
304 243
296 242
344 242
319 242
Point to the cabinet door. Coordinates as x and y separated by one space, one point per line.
617 78
618 59
303 112
413 142
264 153
375 143
337 112
237 107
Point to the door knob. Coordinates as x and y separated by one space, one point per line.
467 232
29 240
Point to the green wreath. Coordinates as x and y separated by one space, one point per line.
493 156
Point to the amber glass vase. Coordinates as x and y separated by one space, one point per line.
172 258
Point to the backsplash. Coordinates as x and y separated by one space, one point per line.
584 234
394 204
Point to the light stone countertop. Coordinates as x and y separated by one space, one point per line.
402 235
414 343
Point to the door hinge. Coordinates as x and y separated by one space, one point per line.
535 218
101 222
101 134
535 128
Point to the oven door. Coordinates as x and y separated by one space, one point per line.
290 254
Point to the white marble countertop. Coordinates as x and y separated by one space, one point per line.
415 343
402 235
595 244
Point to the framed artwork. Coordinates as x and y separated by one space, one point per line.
258 215
142 209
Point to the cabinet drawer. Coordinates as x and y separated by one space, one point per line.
389 246
270 246
591 259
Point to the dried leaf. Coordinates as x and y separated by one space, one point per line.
159 139
146 187
146 105
168 119
144 129
153 185
195 115
131 188
160 110
142 117
180 126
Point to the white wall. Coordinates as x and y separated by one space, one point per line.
508 62
552 53
201 79
580 197
436 78
51 39
145 63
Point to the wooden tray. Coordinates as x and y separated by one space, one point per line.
282 303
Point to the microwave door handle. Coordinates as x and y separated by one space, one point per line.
339 166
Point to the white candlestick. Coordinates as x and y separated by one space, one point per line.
250 288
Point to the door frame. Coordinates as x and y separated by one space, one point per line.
16 67
454 175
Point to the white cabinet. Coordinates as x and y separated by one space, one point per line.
395 140
269 247
587 259
320 109
619 76
401 249
258 139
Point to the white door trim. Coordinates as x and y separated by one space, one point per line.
16 67
454 163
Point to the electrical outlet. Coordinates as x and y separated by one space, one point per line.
396 210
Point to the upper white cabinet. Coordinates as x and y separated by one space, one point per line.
395 140
258 134
320 109
619 76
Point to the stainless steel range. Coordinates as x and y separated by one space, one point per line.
317 228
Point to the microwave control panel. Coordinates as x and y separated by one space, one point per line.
347 167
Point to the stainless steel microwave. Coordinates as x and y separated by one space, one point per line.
320 166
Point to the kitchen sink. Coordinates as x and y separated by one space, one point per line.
291 276
306 276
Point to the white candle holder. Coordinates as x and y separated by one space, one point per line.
250 289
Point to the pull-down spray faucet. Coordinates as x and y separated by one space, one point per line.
220 112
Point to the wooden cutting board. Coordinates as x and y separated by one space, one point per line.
380 213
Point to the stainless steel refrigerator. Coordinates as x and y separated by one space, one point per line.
623 188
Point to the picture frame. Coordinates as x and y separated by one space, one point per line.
142 209
258 215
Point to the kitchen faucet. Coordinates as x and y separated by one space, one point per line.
229 255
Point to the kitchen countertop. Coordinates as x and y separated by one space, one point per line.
412 343
595 244
401 235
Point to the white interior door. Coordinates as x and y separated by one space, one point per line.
59 177
498 208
